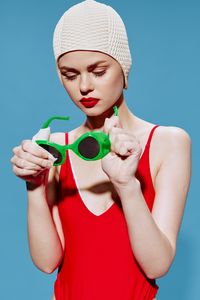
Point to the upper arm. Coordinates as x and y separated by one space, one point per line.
172 181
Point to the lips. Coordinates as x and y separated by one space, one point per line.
89 102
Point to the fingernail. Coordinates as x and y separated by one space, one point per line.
51 157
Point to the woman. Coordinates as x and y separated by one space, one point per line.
110 226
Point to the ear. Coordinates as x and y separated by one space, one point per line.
126 83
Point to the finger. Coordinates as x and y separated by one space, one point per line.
34 148
119 135
23 172
110 123
35 157
44 163
123 132
24 164
124 149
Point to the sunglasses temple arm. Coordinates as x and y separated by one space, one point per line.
47 123
115 111
44 132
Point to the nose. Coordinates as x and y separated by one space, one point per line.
86 84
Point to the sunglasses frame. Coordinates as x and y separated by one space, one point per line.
102 139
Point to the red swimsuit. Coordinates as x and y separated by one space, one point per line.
98 262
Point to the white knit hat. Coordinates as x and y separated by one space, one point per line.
90 25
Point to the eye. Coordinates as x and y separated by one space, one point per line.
69 77
98 74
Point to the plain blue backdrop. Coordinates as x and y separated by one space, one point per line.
163 89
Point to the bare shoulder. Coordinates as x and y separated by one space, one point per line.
172 136
173 131
170 142
163 135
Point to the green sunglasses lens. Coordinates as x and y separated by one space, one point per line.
53 151
89 147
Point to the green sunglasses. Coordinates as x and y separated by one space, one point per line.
90 146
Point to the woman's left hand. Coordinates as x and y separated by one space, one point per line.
121 163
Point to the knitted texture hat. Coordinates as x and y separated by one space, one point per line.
90 25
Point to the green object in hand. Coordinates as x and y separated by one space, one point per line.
90 146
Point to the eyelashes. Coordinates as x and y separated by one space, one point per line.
96 74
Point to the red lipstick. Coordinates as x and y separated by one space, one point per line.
89 102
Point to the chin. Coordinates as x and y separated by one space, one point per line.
105 113
91 113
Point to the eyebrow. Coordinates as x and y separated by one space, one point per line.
90 67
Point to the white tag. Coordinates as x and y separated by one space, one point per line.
42 134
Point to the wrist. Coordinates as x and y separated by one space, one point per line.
132 185
31 186
40 181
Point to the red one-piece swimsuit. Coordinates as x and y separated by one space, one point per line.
98 261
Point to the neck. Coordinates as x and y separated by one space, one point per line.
125 116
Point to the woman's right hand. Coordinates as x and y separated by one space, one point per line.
31 162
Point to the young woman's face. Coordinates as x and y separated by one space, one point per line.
91 74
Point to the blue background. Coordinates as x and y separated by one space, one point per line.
163 89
